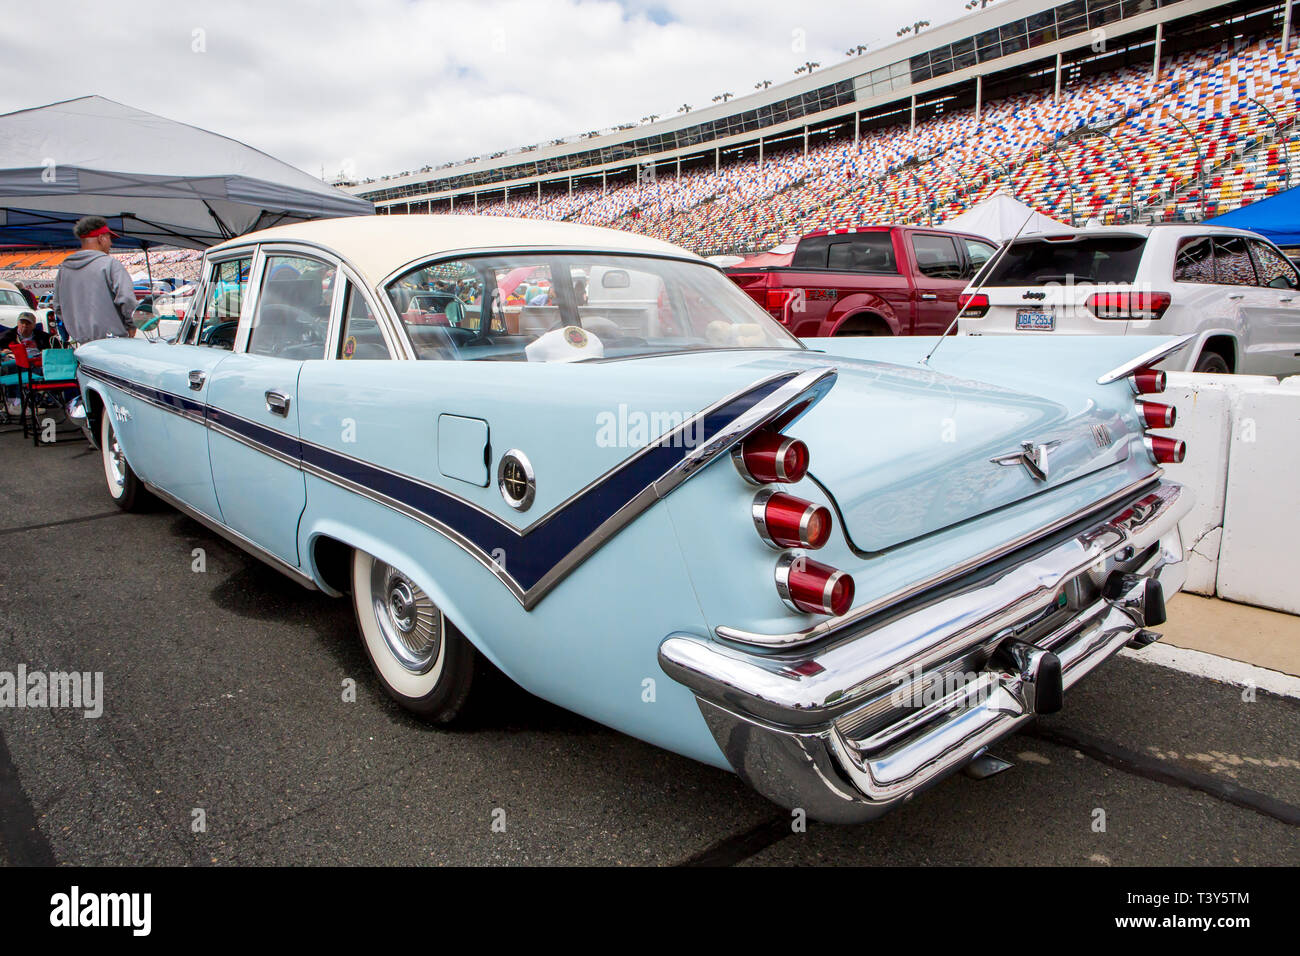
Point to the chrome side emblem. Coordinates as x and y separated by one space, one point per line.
1032 455
1101 435
515 480
121 413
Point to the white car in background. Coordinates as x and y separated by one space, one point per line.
1232 289
12 305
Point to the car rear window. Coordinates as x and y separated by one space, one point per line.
1035 262
871 252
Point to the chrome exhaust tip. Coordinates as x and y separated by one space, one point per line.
1143 638
984 765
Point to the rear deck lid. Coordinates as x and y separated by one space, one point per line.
905 452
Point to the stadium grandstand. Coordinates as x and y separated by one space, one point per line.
38 268
1091 111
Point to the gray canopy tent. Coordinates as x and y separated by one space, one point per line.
156 181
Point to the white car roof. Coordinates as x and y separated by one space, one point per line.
379 245
1172 229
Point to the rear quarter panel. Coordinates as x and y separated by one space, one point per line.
589 645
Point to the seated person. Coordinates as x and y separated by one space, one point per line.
29 334
34 339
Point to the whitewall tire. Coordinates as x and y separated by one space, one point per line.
423 662
126 490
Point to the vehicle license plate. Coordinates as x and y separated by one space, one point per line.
1035 320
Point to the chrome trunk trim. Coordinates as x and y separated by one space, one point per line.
793 726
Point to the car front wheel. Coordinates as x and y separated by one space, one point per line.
424 663
124 487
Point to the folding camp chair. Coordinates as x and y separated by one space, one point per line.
58 374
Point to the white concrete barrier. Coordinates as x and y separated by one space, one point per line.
1205 422
1261 515
1205 406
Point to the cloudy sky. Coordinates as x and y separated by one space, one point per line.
381 86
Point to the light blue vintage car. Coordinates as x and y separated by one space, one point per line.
838 568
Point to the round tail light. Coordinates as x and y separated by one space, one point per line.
784 521
767 457
1166 451
1156 415
1148 381
815 588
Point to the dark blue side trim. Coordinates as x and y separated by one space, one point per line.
277 441
177 403
532 552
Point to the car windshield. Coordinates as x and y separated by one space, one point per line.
1036 262
575 307
10 297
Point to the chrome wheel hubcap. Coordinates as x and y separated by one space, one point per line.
410 623
116 462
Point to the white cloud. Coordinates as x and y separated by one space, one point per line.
387 85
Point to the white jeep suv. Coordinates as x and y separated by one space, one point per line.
1234 290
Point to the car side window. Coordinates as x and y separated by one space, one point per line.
1195 260
1274 270
293 308
1232 264
227 285
977 255
810 253
871 252
936 257
360 337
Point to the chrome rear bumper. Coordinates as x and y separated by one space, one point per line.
848 728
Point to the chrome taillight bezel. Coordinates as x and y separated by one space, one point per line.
785 566
762 521
1165 451
1148 381
1156 414
780 473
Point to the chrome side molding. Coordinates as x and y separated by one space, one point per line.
1143 360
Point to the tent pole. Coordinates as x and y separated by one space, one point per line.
148 271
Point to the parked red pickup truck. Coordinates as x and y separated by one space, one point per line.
868 280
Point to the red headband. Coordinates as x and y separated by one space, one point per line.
101 231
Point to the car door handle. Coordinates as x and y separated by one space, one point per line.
197 378
1286 298
277 403
1236 295
928 296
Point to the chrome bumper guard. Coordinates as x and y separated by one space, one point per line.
851 727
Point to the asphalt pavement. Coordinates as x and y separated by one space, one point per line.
225 737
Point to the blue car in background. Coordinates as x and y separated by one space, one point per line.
836 567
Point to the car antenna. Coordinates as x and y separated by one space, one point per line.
988 272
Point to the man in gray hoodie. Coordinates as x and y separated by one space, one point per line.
93 294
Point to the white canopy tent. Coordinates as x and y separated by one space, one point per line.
1001 216
156 181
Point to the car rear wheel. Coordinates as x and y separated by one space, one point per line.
124 487
424 663
1212 363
